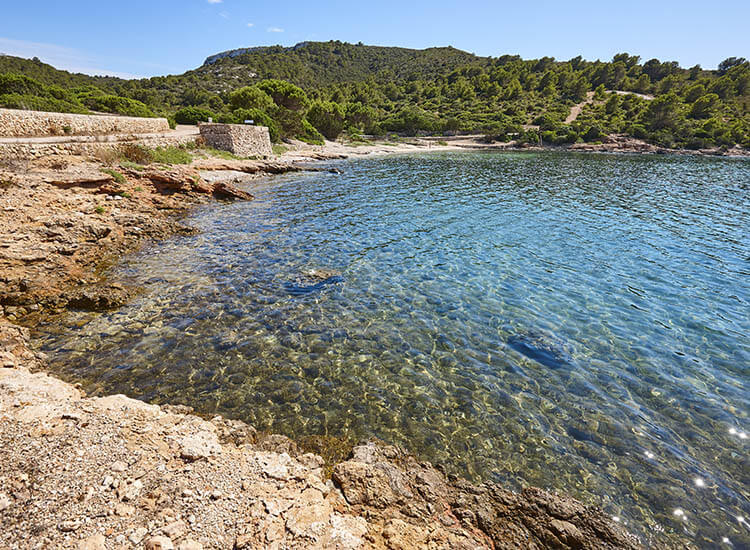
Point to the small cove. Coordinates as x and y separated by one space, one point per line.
577 322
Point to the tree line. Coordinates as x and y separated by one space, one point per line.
321 89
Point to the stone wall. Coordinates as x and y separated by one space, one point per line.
35 150
240 139
18 123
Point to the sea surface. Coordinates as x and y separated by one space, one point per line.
579 322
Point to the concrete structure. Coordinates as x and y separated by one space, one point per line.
19 123
240 139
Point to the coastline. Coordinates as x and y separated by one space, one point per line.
613 144
142 471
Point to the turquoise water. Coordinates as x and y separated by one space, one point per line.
576 322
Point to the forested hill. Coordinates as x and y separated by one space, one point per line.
319 64
330 87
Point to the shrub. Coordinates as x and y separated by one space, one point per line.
21 85
327 117
171 155
309 134
192 115
290 122
218 153
130 165
36 103
251 97
117 104
136 153
592 134
703 106
285 94
119 178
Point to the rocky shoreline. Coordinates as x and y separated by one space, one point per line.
113 472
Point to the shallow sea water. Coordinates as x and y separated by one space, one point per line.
576 322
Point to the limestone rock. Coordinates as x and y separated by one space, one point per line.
69 525
138 535
348 531
159 543
199 446
175 530
225 190
129 491
95 542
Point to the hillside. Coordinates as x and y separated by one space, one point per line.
374 89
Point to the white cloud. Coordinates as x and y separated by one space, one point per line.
224 14
274 29
251 24
215 1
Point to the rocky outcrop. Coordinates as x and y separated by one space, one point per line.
63 218
395 491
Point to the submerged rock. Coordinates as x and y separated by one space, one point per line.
313 280
542 347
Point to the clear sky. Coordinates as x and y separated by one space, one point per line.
156 37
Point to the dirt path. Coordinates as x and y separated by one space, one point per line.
575 110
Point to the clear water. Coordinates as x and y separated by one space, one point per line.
576 322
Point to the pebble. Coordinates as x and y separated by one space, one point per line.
96 542
124 510
129 491
138 535
175 530
189 544
119 466
159 543
70 525
5 502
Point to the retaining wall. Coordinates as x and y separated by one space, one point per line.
240 139
35 150
18 123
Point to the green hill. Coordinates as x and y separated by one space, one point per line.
376 89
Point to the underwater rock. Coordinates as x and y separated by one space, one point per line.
320 274
542 347
313 280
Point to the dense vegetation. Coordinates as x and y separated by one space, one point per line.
327 88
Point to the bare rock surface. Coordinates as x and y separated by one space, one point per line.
63 218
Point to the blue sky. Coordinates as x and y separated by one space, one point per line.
156 37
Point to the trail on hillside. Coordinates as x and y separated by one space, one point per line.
575 110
